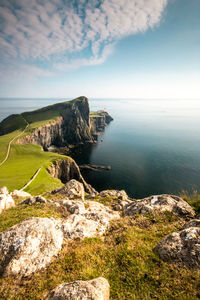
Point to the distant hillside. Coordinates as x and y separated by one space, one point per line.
44 115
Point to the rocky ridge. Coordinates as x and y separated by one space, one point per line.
74 126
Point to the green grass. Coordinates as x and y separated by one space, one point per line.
4 141
193 199
35 118
12 123
20 213
23 162
125 257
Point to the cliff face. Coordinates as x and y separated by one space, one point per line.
74 126
45 135
66 170
98 121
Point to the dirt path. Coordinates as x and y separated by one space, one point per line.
9 145
29 182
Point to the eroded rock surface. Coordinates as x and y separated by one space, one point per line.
161 203
182 247
88 219
96 289
6 200
33 200
122 195
29 246
73 189
18 193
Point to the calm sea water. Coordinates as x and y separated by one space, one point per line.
153 146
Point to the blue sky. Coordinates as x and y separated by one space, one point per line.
100 48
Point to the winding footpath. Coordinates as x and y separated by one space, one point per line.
29 182
9 145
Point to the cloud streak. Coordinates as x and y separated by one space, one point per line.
68 34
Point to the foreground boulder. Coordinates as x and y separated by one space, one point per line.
6 200
73 189
29 246
182 247
96 289
160 203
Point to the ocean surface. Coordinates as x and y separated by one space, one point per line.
153 146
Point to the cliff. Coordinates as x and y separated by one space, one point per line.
98 121
66 170
62 124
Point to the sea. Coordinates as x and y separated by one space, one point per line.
152 146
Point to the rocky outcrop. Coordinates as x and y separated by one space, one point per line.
182 247
67 169
88 218
73 189
29 246
121 195
45 135
72 127
98 121
33 200
6 200
96 289
160 203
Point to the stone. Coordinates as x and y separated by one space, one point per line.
115 193
160 203
192 223
18 193
6 200
33 200
92 210
78 227
74 206
29 246
96 289
182 247
73 189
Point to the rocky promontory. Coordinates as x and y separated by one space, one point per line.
63 124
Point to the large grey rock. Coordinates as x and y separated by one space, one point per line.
29 246
18 193
33 200
96 289
87 219
73 189
182 247
6 200
92 218
160 203
122 195
78 227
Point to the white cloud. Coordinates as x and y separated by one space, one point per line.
53 30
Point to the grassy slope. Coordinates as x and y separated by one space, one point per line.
125 257
23 162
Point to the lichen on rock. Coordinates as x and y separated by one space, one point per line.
160 203
96 289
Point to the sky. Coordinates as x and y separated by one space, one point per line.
100 48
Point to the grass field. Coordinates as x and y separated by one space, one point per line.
23 162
